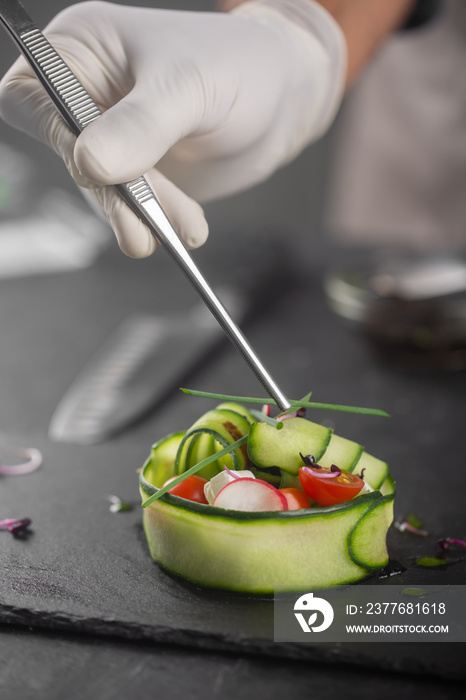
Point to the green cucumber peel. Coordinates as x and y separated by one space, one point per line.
294 404
194 469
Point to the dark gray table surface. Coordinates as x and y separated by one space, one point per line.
82 606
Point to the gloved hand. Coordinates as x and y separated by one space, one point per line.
205 104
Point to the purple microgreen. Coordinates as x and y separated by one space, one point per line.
414 521
14 525
117 505
447 543
321 474
299 413
309 460
285 416
294 404
235 476
361 474
402 524
208 460
30 458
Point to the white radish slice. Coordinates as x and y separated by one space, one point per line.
250 495
217 482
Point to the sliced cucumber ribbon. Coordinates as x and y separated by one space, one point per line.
194 469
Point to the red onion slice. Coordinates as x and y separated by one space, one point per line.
320 474
284 416
235 476
33 461
299 413
446 542
14 525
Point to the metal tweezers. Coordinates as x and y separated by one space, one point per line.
78 110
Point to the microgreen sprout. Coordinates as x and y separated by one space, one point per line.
309 460
444 547
117 505
14 525
448 543
410 524
228 471
431 562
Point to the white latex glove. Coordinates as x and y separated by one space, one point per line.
205 104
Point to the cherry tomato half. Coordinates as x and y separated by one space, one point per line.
296 499
328 492
192 488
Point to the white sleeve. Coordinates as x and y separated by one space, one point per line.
399 169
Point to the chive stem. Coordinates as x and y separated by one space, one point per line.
297 404
266 419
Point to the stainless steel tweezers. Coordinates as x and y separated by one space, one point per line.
78 110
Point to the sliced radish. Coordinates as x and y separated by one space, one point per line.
250 495
219 481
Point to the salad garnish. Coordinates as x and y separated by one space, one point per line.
295 404
230 472
117 505
297 410
313 468
444 546
412 524
431 562
316 470
327 487
260 415
309 460
414 592
299 413
30 458
252 478
276 422
447 542
14 525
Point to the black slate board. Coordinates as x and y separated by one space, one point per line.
85 569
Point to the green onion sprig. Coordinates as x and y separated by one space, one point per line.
294 404
266 419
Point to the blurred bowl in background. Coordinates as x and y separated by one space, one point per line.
412 306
